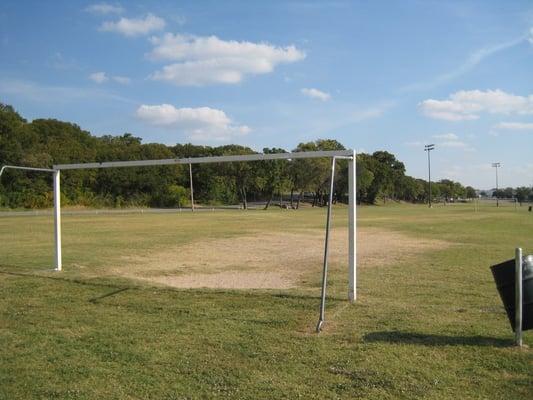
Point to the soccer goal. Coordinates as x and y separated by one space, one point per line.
349 155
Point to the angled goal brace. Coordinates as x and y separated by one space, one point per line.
350 155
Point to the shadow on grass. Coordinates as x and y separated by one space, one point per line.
435 340
37 275
113 293
310 296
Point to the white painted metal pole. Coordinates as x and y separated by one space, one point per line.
321 319
192 191
352 228
518 297
57 218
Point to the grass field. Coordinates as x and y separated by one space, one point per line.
428 322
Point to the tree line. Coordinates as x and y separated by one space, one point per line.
44 142
521 194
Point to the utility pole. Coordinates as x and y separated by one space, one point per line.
497 165
428 148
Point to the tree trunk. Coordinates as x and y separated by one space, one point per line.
243 196
269 200
299 199
292 198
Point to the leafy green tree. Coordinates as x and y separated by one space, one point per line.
523 193
470 192
387 173
272 175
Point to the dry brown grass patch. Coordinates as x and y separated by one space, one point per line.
273 260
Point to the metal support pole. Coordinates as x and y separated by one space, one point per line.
518 297
496 166
57 218
192 191
428 148
429 176
497 194
352 228
326 249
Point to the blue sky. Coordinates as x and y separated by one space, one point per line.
373 75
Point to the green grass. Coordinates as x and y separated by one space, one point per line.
430 328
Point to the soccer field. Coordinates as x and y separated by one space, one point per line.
224 305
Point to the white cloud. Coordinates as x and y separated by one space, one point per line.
98 77
210 60
468 104
316 94
202 124
134 26
515 126
102 77
104 9
447 136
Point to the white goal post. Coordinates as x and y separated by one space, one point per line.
337 154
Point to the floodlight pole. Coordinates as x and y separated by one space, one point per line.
428 148
192 191
496 166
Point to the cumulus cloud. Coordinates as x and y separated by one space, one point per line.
98 77
134 26
515 126
210 60
102 77
202 123
469 104
104 9
316 94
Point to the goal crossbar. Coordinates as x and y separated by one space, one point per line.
205 160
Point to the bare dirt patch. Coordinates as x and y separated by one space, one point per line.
273 260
